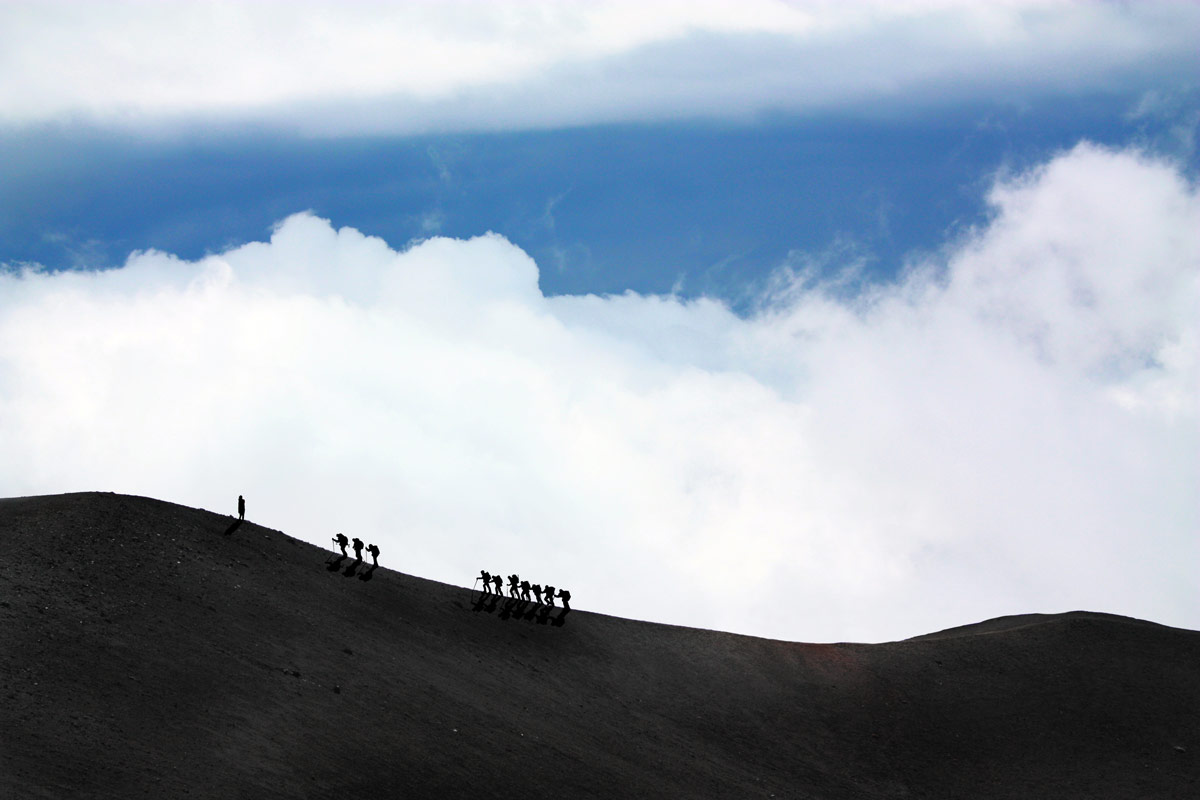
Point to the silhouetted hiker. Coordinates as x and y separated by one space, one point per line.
358 546
342 541
498 582
525 589
549 593
513 584
374 551
565 596
241 507
487 581
537 591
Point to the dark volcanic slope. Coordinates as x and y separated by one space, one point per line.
143 652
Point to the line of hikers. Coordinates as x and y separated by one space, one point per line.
517 588
341 541
520 589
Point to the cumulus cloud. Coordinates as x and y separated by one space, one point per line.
1010 427
402 67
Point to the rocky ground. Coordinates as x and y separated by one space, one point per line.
148 650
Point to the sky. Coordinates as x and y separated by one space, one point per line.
809 320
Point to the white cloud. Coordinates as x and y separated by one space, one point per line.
403 67
1011 429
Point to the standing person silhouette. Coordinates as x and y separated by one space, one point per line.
374 551
487 580
549 594
514 582
498 582
525 590
341 541
358 546
565 596
241 507
537 592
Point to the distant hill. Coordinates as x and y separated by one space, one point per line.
145 652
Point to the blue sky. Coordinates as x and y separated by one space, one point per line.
710 312
701 208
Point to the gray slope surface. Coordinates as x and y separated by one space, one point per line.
145 653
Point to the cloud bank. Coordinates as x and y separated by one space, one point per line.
1011 427
365 67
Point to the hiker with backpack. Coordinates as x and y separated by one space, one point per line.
341 541
358 546
374 551
549 594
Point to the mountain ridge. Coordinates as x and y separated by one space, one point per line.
146 651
